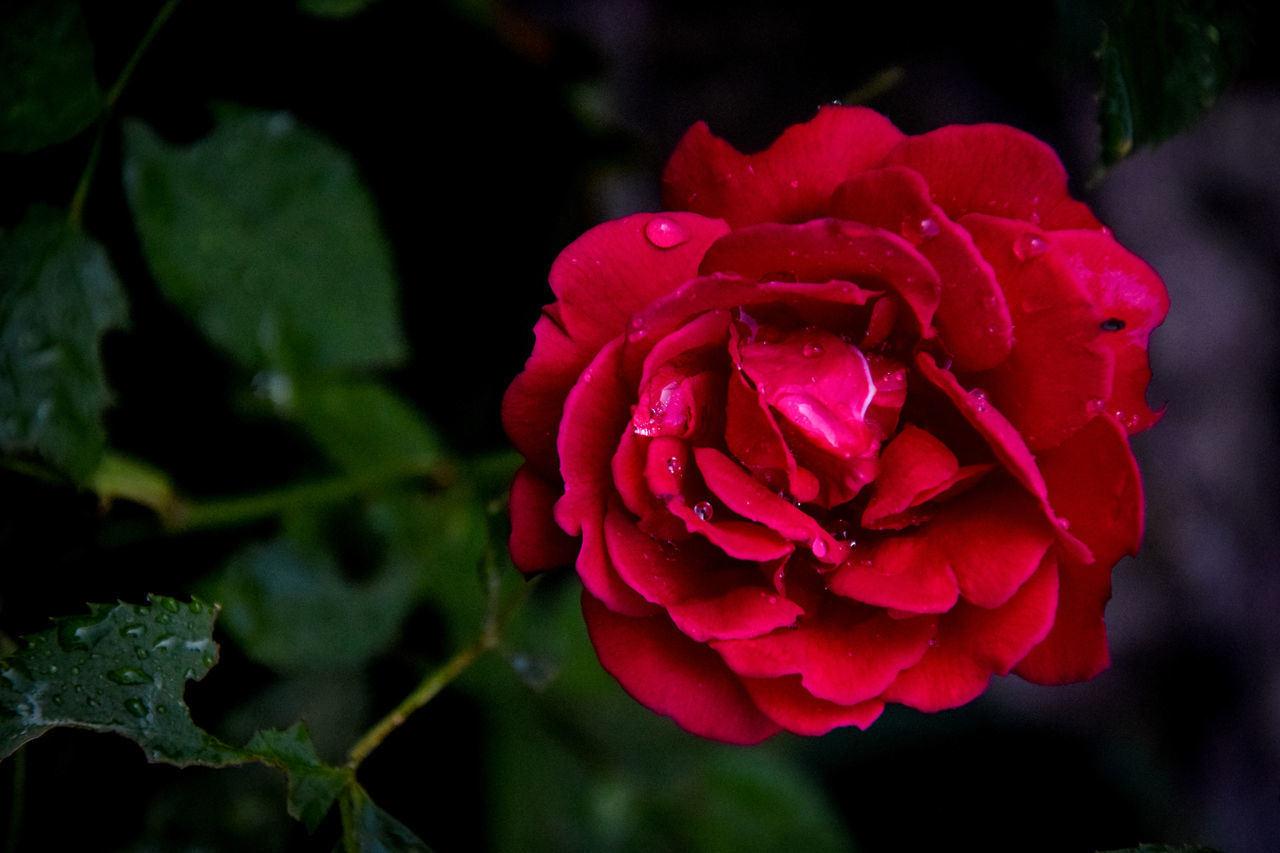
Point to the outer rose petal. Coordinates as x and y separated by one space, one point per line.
837 657
798 711
675 676
973 643
537 543
595 414
1093 480
791 181
992 168
617 268
1059 371
1133 301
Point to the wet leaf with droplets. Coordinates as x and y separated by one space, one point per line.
86 672
58 296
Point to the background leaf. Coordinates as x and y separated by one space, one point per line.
46 62
264 235
58 296
333 8
1163 64
120 669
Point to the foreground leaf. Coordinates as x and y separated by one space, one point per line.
46 63
1163 64
58 296
313 785
368 829
265 236
119 669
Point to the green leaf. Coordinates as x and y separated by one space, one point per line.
313 785
58 296
288 606
46 62
364 426
265 236
368 829
120 669
333 8
1162 65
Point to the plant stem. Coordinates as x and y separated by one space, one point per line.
76 214
14 832
421 695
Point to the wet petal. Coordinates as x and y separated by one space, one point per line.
537 543
669 673
788 704
791 181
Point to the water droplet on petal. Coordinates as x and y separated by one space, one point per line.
1096 406
819 547
917 230
703 510
1112 324
674 466
795 185
1029 245
665 232
812 350
980 400
1062 523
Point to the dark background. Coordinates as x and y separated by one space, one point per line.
492 134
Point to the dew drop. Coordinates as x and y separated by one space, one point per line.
918 230
665 232
811 350
1062 523
142 653
1112 324
170 604
1029 245
129 675
195 607
136 707
674 466
703 510
980 400
638 330
819 547
132 630
795 185
57 700
1096 406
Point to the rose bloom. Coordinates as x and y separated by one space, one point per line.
847 425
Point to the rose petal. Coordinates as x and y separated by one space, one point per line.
749 498
668 573
972 317
789 705
994 539
753 437
674 676
840 657
534 402
617 268
595 414
1093 481
1058 371
831 250
973 643
906 573
537 543
912 463
995 169
747 611
1133 301
791 181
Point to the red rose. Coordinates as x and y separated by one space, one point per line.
848 427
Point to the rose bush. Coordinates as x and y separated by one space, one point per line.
848 425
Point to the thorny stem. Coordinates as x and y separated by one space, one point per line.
76 214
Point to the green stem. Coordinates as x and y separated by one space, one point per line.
76 214
497 614
421 695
